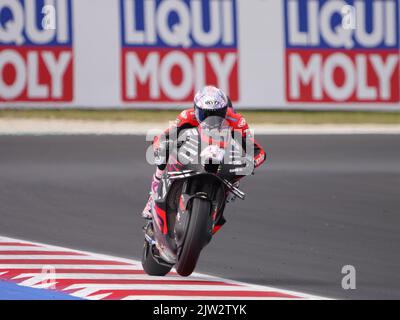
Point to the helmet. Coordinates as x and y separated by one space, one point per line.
210 102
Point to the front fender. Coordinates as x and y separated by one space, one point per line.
182 218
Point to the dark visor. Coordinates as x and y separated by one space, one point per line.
202 114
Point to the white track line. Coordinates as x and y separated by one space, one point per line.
90 288
25 248
144 297
73 266
36 278
79 127
50 257
99 276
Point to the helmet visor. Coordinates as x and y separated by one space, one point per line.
216 116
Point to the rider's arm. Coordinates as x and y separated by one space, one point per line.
259 156
183 121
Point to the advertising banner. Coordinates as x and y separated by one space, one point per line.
330 59
36 51
289 54
172 48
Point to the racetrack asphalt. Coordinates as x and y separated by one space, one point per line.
320 203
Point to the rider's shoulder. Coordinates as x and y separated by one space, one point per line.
187 116
236 120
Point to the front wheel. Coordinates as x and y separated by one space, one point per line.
196 237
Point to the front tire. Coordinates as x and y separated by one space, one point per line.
196 237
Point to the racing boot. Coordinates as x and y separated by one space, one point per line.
146 213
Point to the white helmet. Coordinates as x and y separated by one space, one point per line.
210 101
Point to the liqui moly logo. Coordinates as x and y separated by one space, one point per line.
171 48
342 51
35 50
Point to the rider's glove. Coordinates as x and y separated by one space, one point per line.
160 153
248 168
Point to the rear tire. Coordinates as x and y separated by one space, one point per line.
150 264
196 237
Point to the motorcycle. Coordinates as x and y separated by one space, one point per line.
187 210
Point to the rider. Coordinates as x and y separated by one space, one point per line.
221 106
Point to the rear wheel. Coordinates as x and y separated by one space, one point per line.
196 237
150 264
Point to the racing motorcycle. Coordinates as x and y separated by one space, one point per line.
203 168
